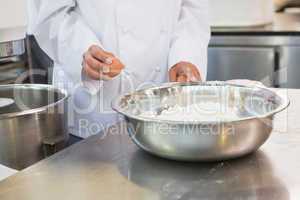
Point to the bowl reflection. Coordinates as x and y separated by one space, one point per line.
251 177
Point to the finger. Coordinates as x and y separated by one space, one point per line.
116 69
193 78
92 62
101 55
96 64
114 74
172 75
193 75
182 79
90 72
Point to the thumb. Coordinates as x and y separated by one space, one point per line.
172 75
193 78
182 79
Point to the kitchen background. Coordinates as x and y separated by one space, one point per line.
251 39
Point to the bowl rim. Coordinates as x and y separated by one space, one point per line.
285 103
35 110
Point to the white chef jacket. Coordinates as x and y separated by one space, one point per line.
148 36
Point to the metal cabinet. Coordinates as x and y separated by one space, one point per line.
255 63
288 74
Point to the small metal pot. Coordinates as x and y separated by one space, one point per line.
33 123
200 140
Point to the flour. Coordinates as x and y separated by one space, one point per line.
203 112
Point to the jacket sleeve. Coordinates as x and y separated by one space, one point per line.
63 34
192 35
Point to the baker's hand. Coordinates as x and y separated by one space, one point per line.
101 65
184 72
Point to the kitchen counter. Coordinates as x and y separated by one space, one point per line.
6 172
112 167
284 25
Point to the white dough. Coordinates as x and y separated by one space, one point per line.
205 112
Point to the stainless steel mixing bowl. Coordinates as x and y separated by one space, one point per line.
33 123
201 140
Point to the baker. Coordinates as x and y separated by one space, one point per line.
102 48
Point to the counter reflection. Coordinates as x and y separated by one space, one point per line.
251 177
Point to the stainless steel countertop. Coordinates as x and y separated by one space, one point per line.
112 167
284 24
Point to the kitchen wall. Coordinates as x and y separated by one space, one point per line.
13 13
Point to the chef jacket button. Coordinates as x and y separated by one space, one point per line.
158 69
